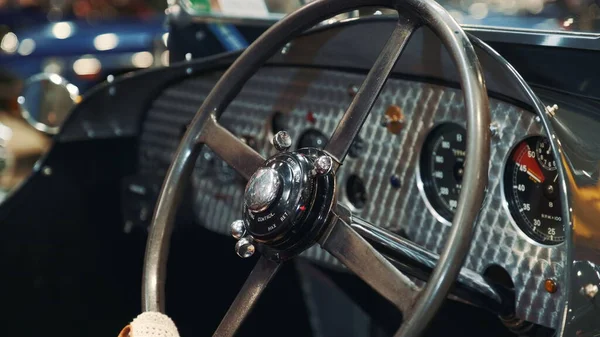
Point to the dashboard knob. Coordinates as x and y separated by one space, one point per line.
551 110
245 247
393 119
323 165
282 141
238 230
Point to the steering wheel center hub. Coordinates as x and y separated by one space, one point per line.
286 202
262 189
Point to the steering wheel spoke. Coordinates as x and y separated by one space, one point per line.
367 263
244 159
256 283
356 114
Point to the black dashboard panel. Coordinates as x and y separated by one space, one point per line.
314 100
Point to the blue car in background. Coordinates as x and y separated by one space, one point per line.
82 52
78 54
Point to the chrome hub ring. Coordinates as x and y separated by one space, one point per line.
287 202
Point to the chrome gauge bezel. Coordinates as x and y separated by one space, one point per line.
534 130
505 201
419 176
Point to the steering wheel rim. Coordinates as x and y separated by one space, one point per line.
205 130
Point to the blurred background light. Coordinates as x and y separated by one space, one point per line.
534 6
9 43
457 15
568 22
164 58
479 10
106 41
87 65
62 30
56 79
53 66
26 47
142 59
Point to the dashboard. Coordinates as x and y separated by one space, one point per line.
402 174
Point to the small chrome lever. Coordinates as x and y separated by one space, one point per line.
238 230
245 246
282 141
322 166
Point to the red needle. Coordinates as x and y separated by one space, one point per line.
533 168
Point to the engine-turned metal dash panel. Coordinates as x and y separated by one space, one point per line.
311 99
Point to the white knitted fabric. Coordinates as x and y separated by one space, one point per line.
153 324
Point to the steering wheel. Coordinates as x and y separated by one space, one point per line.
290 199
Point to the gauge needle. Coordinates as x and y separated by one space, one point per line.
533 176
555 178
534 170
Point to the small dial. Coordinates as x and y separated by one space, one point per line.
209 164
225 173
532 191
442 167
205 162
279 122
544 154
356 192
312 138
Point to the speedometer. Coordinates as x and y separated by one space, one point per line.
531 190
442 167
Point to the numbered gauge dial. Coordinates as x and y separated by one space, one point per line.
531 189
442 167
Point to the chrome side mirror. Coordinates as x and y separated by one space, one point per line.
46 101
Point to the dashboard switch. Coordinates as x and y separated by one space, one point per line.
395 181
245 247
323 165
551 110
238 230
310 117
550 286
282 141
393 119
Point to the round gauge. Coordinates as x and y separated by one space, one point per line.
210 165
442 166
312 138
356 192
204 162
531 189
278 122
225 173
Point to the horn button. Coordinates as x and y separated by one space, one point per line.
287 203
262 189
